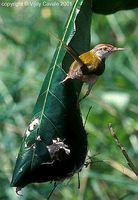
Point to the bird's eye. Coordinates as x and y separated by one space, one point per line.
105 48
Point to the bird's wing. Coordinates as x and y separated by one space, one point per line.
91 61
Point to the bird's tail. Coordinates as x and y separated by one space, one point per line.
65 79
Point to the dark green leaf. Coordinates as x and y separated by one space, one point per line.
108 7
55 143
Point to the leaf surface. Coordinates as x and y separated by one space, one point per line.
108 7
57 121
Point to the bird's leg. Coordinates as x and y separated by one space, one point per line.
87 92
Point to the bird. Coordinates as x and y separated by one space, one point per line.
90 65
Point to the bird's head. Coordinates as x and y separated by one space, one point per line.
104 50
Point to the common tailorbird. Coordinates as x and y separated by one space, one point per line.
90 65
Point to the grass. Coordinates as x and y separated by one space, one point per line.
26 51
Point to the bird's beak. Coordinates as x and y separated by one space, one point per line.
117 49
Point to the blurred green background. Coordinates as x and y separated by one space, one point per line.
26 51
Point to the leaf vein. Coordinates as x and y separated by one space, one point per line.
57 98
51 122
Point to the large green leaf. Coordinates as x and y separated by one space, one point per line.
56 113
108 6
